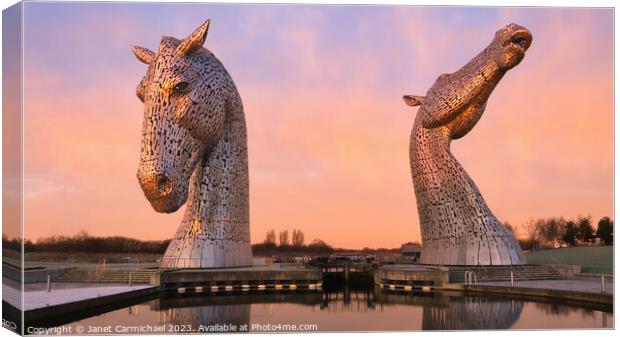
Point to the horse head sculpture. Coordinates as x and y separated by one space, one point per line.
194 147
456 224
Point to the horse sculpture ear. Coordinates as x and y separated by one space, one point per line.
143 54
411 100
195 40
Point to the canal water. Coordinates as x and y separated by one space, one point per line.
365 309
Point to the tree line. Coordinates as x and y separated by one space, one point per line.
538 233
295 244
558 231
82 242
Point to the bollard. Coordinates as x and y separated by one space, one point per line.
512 280
130 274
49 283
603 283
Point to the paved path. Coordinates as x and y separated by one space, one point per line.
592 286
41 299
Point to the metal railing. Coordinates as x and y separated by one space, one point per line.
470 277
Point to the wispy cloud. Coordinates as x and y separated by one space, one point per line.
37 187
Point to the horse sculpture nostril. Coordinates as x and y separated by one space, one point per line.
164 185
520 41
521 37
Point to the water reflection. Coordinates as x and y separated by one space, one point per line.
228 315
211 310
357 309
470 313
441 310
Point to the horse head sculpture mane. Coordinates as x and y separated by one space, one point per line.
456 224
194 150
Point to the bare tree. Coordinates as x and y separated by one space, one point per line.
270 238
284 238
532 229
298 238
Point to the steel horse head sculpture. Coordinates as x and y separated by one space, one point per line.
194 150
456 224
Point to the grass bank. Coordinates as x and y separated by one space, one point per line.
592 259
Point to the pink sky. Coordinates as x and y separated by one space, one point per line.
328 131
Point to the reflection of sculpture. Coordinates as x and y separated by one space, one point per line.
470 313
456 311
233 309
194 135
231 317
457 226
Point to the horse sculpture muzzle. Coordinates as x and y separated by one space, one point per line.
514 41
158 188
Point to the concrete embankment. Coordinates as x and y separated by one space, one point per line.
559 294
245 279
67 305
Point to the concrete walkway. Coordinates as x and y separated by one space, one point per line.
591 286
41 299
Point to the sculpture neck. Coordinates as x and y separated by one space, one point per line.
219 195
432 162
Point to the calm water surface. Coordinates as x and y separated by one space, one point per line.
341 310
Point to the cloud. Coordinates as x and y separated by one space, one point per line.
40 187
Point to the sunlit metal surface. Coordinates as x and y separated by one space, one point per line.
456 224
194 150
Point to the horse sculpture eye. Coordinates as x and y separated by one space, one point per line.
181 88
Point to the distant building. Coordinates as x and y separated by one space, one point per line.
411 249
